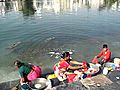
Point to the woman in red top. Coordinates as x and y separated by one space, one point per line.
105 54
65 62
62 67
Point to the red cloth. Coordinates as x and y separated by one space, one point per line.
71 77
84 65
64 65
95 61
105 55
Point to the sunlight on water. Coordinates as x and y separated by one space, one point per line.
38 31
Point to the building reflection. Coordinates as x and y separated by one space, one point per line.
37 7
2 8
27 7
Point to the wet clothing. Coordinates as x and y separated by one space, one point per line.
106 55
85 66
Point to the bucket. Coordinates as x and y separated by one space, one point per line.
105 71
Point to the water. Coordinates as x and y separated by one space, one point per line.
29 30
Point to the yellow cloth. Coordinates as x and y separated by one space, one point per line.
51 76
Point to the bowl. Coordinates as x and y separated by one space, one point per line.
38 84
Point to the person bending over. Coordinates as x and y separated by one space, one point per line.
28 72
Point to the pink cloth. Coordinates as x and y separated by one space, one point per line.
35 73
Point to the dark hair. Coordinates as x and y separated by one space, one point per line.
18 63
88 65
105 46
64 55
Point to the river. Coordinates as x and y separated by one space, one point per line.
38 31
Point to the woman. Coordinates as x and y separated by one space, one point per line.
62 67
27 71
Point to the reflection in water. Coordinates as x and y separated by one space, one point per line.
27 7
2 8
30 7
110 4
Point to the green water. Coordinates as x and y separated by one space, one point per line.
43 26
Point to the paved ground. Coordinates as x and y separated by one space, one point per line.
99 82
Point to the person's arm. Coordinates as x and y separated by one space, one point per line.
22 80
74 68
75 62
99 55
21 72
68 66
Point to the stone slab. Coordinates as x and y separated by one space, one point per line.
96 81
